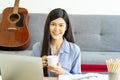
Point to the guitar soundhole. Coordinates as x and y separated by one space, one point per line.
13 18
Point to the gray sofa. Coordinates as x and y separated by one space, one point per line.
97 35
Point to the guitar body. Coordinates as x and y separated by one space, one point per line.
14 34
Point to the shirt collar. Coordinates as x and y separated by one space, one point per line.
64 47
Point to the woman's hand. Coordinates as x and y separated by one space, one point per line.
44 61
56 70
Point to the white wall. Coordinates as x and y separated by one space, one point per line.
71 6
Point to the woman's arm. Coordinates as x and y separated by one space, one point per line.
36 49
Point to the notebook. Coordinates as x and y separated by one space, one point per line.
18 67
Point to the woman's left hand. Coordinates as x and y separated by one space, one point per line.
56 70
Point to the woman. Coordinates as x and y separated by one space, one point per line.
58 40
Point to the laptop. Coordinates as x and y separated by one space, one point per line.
18 67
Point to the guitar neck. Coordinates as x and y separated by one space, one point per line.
16 5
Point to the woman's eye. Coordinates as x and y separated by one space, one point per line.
61 25
52 24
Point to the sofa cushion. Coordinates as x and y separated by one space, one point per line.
98 33
88 57
25 52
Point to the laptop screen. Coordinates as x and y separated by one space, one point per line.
18 67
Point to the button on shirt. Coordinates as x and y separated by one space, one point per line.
69 56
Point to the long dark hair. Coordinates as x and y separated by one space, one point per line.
54 14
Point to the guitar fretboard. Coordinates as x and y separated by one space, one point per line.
15 8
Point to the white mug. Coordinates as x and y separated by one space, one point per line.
52 60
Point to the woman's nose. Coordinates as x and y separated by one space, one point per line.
57 27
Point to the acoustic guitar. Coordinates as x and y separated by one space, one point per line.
14 34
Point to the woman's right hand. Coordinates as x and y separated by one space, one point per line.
44 61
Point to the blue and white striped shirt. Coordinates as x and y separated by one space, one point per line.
69 56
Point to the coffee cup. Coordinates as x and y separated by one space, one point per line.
52 60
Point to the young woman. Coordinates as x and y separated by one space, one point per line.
58 40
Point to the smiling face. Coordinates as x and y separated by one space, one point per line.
57 28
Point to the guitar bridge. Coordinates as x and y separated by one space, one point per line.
12 29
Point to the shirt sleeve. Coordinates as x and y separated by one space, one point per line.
76 65
36 49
